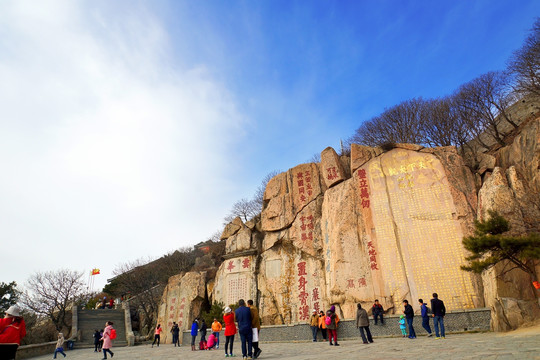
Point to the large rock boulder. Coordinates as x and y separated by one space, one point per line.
331 167
288 193
181 301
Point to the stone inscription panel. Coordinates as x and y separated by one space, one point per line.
419 239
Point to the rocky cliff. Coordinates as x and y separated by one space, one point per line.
380 224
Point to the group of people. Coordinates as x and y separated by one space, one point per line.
437 312
328 323
104 304
13 330
249 326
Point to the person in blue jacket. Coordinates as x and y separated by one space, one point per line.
194 332
425 316
243 317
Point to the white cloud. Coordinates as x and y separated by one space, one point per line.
110 148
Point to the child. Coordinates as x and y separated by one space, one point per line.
59 346
402 325
211 342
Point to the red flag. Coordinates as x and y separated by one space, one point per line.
95 271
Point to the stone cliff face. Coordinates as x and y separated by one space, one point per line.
391 231
381 225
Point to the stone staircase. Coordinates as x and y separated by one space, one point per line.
90 320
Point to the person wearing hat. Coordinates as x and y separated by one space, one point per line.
314 323
12 326
230 331
12 330
332 325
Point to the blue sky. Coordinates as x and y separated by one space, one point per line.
129 128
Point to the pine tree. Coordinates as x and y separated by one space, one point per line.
490 246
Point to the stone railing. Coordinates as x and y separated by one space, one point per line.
454 322
29 351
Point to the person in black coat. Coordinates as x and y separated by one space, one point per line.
409 315
439 310
203 330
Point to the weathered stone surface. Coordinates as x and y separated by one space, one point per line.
331 168
305 231
495 194
349 279
290 285
510 296
239 242
288 193
411 203
181 301
462 185
360 155
408 146
346 164
235 280
527 200
486 162
232 228
524 154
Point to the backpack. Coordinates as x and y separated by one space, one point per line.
202 345
113 334
328 320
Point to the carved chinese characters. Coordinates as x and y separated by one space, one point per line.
417 236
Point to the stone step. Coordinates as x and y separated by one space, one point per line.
90 320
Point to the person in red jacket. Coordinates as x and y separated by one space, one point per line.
230 330
12 326
12 330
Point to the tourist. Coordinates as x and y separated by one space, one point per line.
378 312
314 323
230 331
243 317
12 330
322 324
111 303
216 328
255 328
59 346
107 341
104 303
402 325
439 310
362 323
211 342
332 320
425 316
175 331
194 332
203 331
409 315
97 342
157 335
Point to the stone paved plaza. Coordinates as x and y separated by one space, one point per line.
521 344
